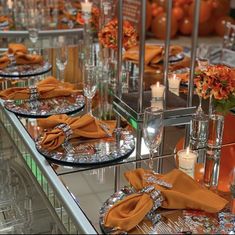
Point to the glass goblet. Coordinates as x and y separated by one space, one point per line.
61 60
33 26
89 84
152 130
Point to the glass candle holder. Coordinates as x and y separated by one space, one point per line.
186 161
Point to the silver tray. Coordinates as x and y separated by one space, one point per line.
46 107
172 221
90 152
25 71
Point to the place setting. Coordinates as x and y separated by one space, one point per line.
17 62
47 97
83 141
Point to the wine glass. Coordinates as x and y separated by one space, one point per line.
33 21
61 60
89 84
153 130
203 53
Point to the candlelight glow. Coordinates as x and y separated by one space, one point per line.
158 85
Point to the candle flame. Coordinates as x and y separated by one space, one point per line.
174 76
86 1
158 84
187 150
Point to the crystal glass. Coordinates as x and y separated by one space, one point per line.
61 60
152 130
203 53
33 20
89 84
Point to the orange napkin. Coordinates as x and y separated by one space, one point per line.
14 48
85 126
185 194
151 51
22 58
3 19
47 88
4 61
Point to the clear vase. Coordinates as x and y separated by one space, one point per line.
213 150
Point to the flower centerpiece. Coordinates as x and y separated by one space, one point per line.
218 83
109 34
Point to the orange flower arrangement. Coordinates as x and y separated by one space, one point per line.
108 35
217 81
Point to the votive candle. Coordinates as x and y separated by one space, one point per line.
157 90
187 160
86 6
174 84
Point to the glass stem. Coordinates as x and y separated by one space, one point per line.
89 106
151 155
62 75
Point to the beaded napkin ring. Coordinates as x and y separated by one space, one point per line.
157 198
66 129
33 93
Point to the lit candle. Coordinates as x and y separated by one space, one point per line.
157 90
86 6
9 4
174 84
187 160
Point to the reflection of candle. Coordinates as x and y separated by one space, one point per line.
86 6
174 84
157 90
187 160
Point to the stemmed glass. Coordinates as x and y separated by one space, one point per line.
203 61
152 130
33 22
61 60
89 84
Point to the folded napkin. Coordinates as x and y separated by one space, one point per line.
22 58
14 48
154 54
84 126
4 61
184 194
47 88
3 19
151 51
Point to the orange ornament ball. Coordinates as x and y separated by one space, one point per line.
148 15
206 28
178 13
205 11
158 26
186 26
221 23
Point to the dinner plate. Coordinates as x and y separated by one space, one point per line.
46 107
83 152
172 221
27 71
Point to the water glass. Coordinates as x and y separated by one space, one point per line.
216 127
199 127
152 130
